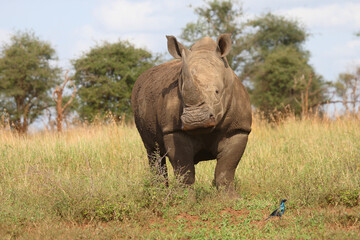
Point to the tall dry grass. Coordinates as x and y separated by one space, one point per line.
100 172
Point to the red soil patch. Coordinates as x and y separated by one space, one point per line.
187 217
156 220
190 220
235 213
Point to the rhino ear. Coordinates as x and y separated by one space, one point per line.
224 44
174 47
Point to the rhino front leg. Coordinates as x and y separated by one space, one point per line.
157 164
181 155
230 152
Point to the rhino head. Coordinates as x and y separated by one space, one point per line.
205 81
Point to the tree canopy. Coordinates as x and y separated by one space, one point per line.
26 76
277 66
271 31
105 76
267 54
215 18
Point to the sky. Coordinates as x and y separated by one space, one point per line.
73 27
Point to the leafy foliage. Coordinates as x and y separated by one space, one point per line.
271 78
267 53
215 18
105 76
273 31
26 76
277 65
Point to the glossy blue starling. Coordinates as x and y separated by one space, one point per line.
278 212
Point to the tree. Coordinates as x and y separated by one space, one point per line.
60 109
347 88
277 66
26 77
215 18
105 76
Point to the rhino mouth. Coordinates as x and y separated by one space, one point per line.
198 119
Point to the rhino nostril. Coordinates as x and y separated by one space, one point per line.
211 116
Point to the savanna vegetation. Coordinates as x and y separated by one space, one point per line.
105 77
27 75
93 182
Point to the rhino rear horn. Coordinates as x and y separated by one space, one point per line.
175 48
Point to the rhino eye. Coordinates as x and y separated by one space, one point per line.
217 91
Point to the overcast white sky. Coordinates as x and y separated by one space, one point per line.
74 26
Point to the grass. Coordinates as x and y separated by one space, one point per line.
94 183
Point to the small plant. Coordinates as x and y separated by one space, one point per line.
349 198
110 210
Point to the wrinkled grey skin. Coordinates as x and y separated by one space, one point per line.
196 109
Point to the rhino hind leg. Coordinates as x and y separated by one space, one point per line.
231 151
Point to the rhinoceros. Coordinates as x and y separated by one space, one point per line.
193 109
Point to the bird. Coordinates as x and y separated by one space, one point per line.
278 212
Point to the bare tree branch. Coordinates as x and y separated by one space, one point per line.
59 109
72 96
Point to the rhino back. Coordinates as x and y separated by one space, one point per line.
155 101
